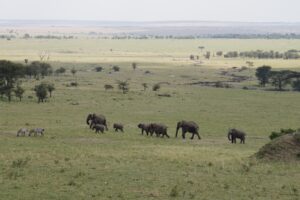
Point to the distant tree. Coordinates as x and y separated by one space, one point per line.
134 66
108 87
192 57
26 61
124 86
26 36
38 69
73 71
156 87
116 68
50 88
145 85
219 53
60 70
19 91
98 69
280 78
207 55
41 92
201 48
263 74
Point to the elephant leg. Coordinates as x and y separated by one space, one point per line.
167 135
183 134
192 136
198 136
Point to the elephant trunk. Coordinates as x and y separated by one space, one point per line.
229 135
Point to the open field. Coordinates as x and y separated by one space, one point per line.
72 162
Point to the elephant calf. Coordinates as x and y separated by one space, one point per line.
234 133
144 127
37 131
118 127
159 129
22 131
98 128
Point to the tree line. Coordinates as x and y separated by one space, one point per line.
290 54
279 79
11 74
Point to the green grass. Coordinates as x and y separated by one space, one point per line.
72 162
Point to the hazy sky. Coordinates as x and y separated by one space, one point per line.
148 10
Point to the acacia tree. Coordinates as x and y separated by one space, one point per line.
19 91
50 88
280 78
41 92
134 66
9 74
124 86
73 71
263 74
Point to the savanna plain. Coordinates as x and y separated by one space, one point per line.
73 162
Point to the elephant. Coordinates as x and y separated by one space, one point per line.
22 131
159 129
36 131
118 126
98 128
144 127
96 119
188 126
234 133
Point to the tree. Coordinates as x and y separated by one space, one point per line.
9 74
296 85
98 69
263 74
145 85
41 92
50 88
19 91
73 71
201 48
156 87
207 55
116 68
134 66
192 57
60 70
280 78
219 53
108 87
124 86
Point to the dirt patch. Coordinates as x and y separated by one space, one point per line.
285 148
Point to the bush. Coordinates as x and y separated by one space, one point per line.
116 68
98 69
296 85
108 87
156 87
281 133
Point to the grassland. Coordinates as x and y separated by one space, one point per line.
72 162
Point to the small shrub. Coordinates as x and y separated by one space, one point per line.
71 183
174 192
108 87
73 84
156 87
116 68
98 69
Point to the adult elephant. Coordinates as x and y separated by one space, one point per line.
96 119
188 126
234 133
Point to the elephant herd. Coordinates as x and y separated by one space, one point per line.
98 123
